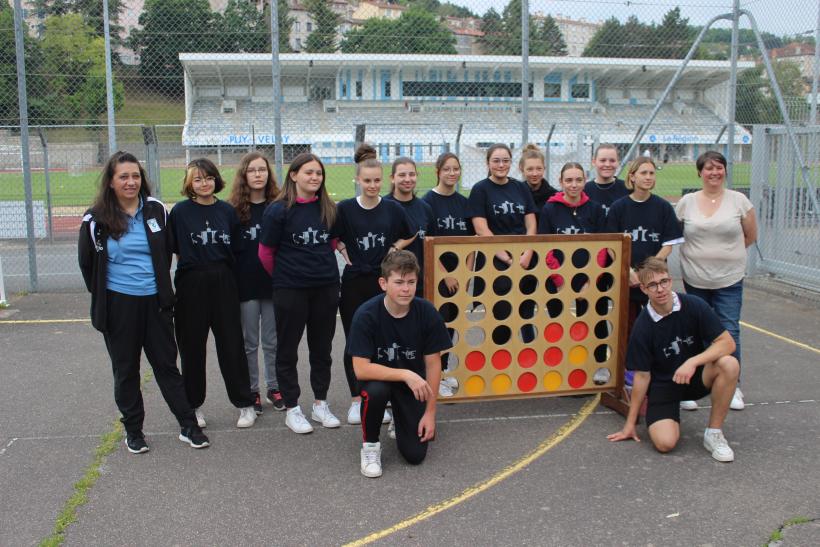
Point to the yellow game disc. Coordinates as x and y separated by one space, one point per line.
578 355
501 384
552 381
474 385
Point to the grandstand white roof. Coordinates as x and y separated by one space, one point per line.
606 70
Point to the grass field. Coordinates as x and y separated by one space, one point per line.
79 189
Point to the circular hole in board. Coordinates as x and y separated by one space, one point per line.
502 285
476 311
501 335
499 264
554 308
533 261
527 309
604 281
527 333
444 291
554 284
476 286
449 260
502 310
475 336
610 256
603 329
580 258
480 261
601 376
580 282
528 284
603 353
579 307
554 259
448 312
604 305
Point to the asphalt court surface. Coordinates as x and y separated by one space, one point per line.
266 485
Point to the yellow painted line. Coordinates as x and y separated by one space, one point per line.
41 321
563 432
781 337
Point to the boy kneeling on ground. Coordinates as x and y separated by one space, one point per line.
679 351
396 340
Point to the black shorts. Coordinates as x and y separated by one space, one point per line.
664 398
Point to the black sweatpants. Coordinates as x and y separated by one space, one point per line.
207 299
296 309
355 292
134 324
407 413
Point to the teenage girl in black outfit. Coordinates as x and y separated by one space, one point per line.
368 228
125 257
207 237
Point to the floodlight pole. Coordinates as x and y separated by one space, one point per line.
277 89
109 82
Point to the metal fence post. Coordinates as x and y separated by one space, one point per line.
816 71
22 103
149 137
276 76
525 72
109 82
44 142
732 98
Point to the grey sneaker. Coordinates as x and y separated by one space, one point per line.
247 417
371 456
297 422
716 443
321 413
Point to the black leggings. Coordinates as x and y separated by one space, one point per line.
407 413
355 292
314 308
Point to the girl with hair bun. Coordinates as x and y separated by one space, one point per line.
533 165
254 187
368 228
207 239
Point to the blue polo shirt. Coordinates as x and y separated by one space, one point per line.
130 270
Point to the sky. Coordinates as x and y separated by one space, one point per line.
799 17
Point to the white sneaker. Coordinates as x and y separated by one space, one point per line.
371 460
450 382
737 400
716 443
354 413
297 422
387 418
321 413
444 390
391 430
247 417
689 405
200 418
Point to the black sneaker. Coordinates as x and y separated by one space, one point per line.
135 443
194 436
275 398
257 404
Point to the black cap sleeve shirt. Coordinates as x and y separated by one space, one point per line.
503 205
397 342
606 194
422 223
450 214
304 256
661 347
369 233
254 282
205 234
540 196
557 218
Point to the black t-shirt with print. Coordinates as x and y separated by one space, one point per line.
452 218
502 205
304 256
422 223
253 281
650 224
205 234
557 218
661 348
540 196
397 342
369 233
606 194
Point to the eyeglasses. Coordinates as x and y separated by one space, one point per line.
254 170
200 180
500 161
664 283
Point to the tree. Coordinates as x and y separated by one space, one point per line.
493 28
548 39
243 28
74 69
326 21
756 102
415 31
285 24
91 10
9 107
608 39
674 37
170 27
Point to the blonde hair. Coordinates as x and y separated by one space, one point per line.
531 152
650 266
634 165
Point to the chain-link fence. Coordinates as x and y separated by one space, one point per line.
197 78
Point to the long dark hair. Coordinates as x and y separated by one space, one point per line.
106 208
240 196
288 193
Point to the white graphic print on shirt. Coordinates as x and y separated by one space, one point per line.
451 223
252 233
209 236
675 347
311 236
641 234
508 208
370 241
570 230
395 352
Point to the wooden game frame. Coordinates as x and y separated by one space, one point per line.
515 349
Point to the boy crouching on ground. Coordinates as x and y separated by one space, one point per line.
396 341
679 351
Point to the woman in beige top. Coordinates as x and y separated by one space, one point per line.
718 225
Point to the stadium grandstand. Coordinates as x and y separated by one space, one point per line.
422 105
